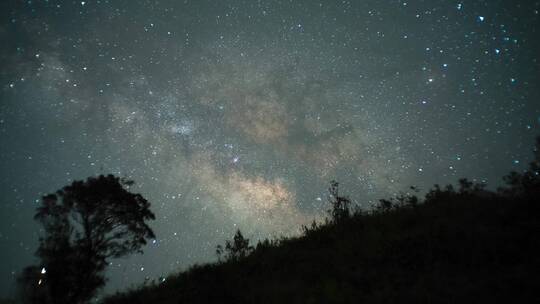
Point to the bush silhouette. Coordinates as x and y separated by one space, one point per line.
85 224
528 182
340 205
237 249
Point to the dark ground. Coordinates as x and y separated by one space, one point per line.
456 246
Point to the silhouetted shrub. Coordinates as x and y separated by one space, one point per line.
340 205
237 249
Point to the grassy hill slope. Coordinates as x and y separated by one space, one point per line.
456 246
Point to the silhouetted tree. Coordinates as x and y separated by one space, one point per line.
528 182
400 201
235 250
85 224
438 194
469 187
340 204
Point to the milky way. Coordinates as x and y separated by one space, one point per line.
237 114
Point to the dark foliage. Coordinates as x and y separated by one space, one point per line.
340 204
453 246
527 183
85 224
239 248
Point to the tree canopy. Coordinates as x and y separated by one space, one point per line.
85 224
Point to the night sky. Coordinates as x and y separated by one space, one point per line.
237 114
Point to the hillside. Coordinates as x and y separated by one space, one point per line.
452 246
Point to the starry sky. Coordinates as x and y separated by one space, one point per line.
237 114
